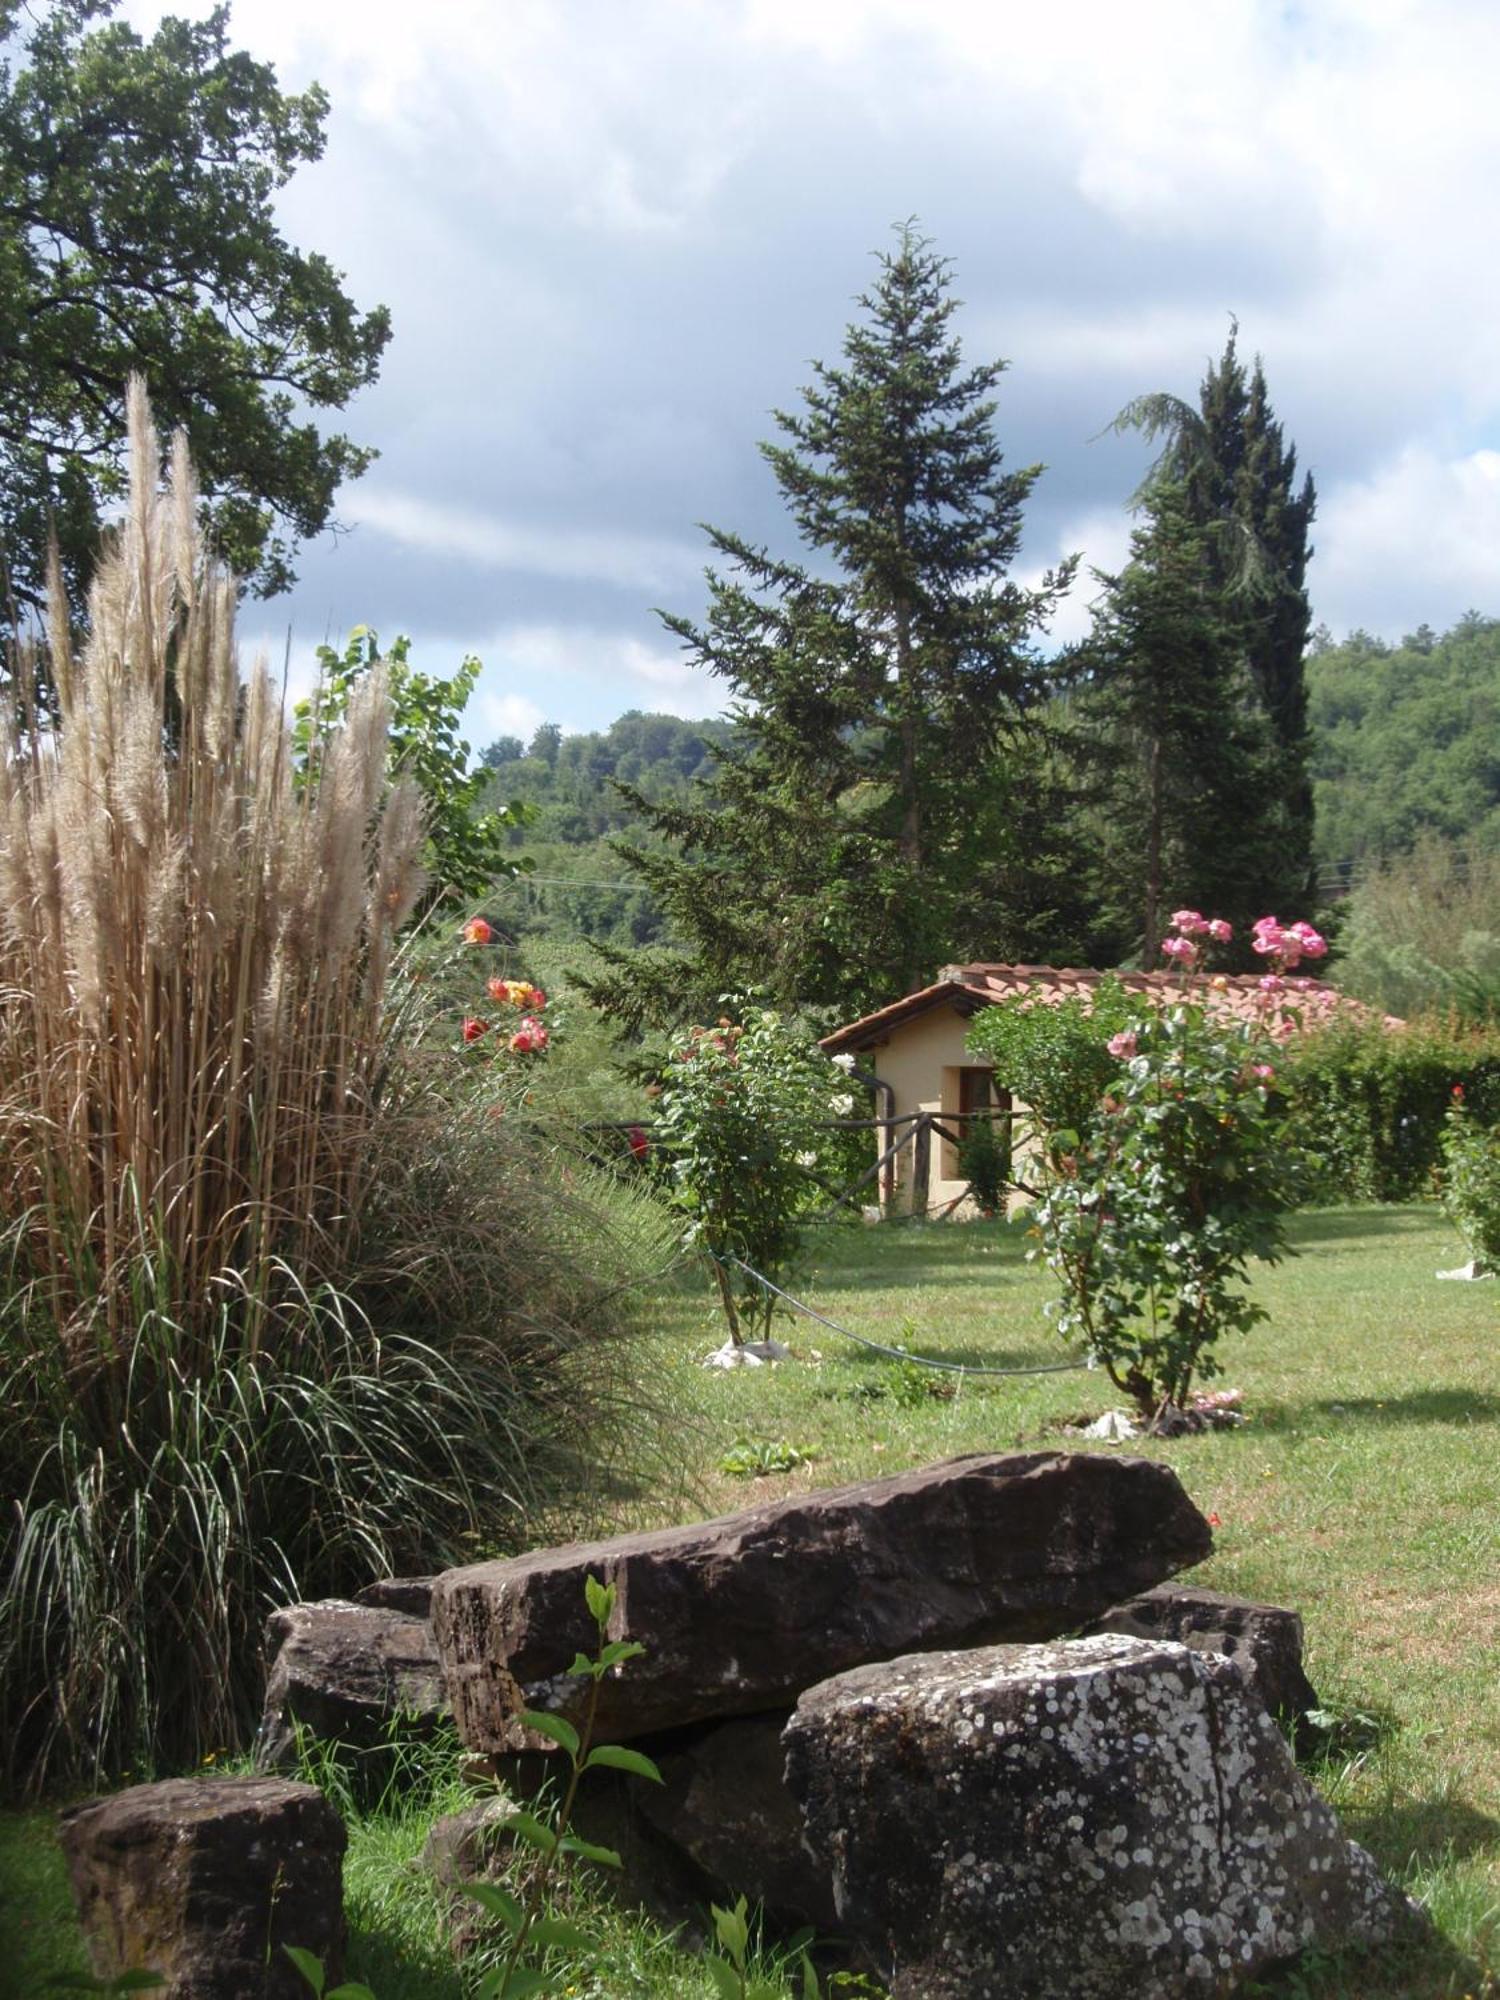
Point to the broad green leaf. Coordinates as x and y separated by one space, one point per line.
601 1599
724 1977
618 1758
519 1984
619 1650
605 1857
532 1830
352 1989
582 1664
557 1934
309 1965
732 1929
499 1902
809 1980
557 1727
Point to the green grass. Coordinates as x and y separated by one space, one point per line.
1363 1492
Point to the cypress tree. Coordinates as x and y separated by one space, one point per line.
1236 482
876 692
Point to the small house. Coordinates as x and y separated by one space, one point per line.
928 1087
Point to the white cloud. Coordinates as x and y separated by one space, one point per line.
582 676
1419 540
577 554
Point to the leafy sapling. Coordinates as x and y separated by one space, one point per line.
523 1917
729 1967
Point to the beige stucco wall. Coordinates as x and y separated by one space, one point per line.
920 1062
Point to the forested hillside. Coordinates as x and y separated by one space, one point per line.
579 887
1406 740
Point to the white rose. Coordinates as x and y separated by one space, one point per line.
842 1106
845 1063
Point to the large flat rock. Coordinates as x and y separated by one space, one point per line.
1078 1821
740 1614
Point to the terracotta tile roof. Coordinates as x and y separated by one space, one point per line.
970 987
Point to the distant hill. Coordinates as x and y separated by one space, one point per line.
1406 741
581 888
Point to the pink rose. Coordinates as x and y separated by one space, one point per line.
1182 949
1122 1046
1220 931
1189 923
1272 983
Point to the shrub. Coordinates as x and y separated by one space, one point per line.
1368 1102
1054 1057
284 1305
1173 1177
740 1112
1471 1181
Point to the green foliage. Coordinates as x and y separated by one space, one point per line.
739 1114
138 194
1406 741
1155 1203
1187 775
1421 932
984 1161
1054 1059
1368 1104
1471 1180
1227 548
880 689
762 1458
467 836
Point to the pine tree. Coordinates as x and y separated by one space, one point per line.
876 693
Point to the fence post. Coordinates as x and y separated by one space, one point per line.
921 1163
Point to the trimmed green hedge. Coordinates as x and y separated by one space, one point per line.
1368 1103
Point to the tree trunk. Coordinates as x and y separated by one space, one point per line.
1151 926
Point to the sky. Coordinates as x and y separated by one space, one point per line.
613 238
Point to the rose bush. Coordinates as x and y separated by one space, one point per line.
740 1115
1171 1171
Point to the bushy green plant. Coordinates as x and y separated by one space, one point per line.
1054 1057
984 1159
468 836
1367 1102
1154 1208
740 1112
1471 1180
1174 1172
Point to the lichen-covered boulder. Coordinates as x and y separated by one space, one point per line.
1073 1821
740 1614
1263 1640
204 1880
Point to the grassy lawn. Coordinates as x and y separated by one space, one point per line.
1365 1492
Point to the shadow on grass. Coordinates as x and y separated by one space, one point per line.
1423 1832
1429 1966
393 1971
1420 1406
1373 1220
974 1359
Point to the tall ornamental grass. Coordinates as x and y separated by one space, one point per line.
276 1309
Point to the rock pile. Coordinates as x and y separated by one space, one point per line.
868 1717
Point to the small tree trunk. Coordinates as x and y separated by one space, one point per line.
726 1299
1151 927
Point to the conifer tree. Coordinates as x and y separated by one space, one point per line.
876 691
1237 483
1166 699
